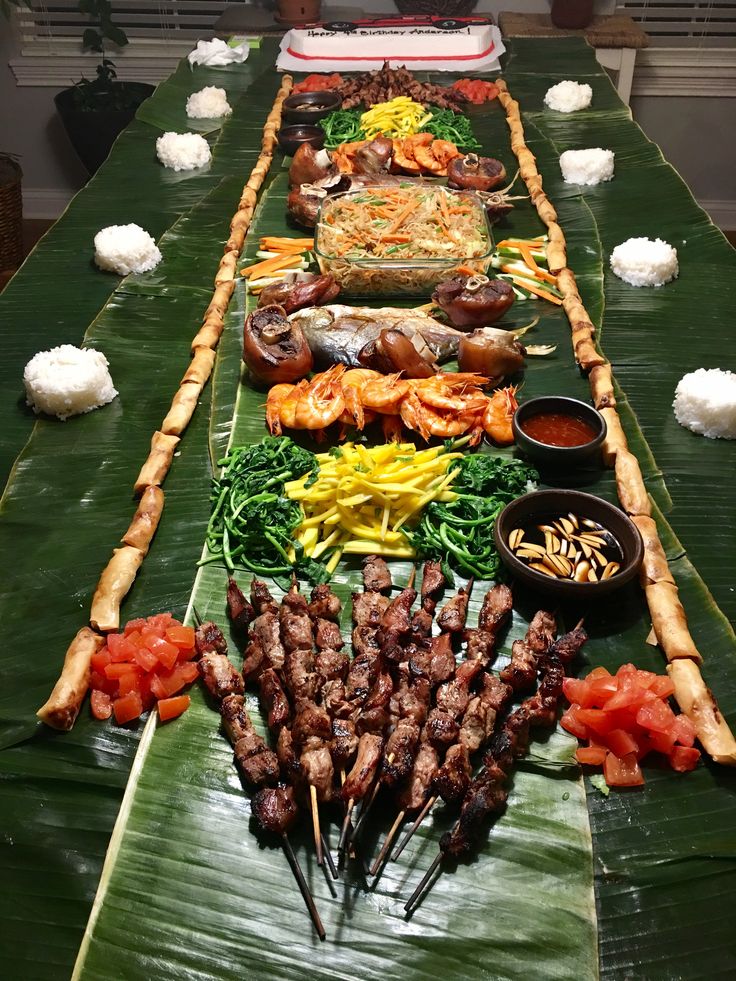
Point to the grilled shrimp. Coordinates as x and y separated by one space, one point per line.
499 412
321 403
353 385
429 421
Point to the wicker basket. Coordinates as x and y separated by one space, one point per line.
438 8
11 214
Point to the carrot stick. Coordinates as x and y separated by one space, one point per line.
401 218
513 243
270 265
525 284
540 274
396 238
528 258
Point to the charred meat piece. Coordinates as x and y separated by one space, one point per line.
453 777
296 630
376 577
566 647
219 675
344 741
412 701
265 630
310 721
335 701
254 660
208 638
318 771
474 301
301 679
287 757
365 641
257 769
327 635
541 631
361 676
235 719
261 598
486 796
401 749
496 609
375 719
521 673
380 694
369 608
421 624
324 604
422 776
435 661
433 582
363 773
331 665
454 695
396 619
480 716
475 173
441 729
274 700
239 609
274 809
451 618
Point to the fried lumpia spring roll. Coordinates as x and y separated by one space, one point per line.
200 368
615 438
157 465
116 579
655 567
211 330
669 622
601 386
182 409
62 707
697 702
145 520
632 492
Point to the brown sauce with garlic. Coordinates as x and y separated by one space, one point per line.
558 429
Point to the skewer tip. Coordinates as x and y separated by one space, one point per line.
413 901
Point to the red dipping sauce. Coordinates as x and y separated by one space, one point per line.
558 429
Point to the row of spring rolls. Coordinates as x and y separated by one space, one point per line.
669 622
62 707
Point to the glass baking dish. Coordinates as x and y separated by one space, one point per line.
394 274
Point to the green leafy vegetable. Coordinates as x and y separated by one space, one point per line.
342 126
460 533
453 126
252 519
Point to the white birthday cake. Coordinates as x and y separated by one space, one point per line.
450 45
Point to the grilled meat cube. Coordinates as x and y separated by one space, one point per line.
454 695
396 619
566 647
299 674
331 665
413 700
369 608
239 609
451 618
288 759
454 776
219 675
274 809
249 744
254 660
310 720
496 609
376 576
344 741
209 638
380 693
376 719
261 598
487 795
542 706
365 641
235 719
327 635
401 749
296 630
334 700
479 647
435 662
415 794
521 673
295 601
257 769
441 728
363 773
265 629
421 624
324 604
433 581
274 700
541 631
480 716
318 771
361 676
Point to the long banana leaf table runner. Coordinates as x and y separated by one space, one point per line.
570 884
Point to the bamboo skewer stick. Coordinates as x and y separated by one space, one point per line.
382 856
328 858
417 821
418 893
303 887
315 823
345 835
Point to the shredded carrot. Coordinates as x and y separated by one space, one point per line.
528 258
396 238
443 209
514 243
466 271
401 217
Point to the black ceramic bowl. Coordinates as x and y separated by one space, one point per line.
558 457
530 508
291 137
308 107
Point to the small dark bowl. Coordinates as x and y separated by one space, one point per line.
558 456
540 504
291 138
320 104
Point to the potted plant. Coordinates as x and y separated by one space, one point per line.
95 111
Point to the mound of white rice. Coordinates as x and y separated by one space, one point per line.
645 262
67 381
568 96
705 402
587 167
125 249
209 103
183 151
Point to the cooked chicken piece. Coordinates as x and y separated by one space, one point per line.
274 700
324 604
363 773
209 638
453 777
219 675
265 629
331 665
274 809
376 575
441 729
239 609
415 794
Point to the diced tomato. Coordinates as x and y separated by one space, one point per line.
621 743
165 652
659 742
576 691
129 682
100 660
100 682
598 673
596 719
118 670
662 687
157 687
684 730
145 659
127 708
182 636
624 772
171 682
100 705
683 758
601 689
120 647
591 755
657 716
188 671
170 708
629 693
136 639
133 625
572 723
161 622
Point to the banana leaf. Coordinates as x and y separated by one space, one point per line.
188 889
